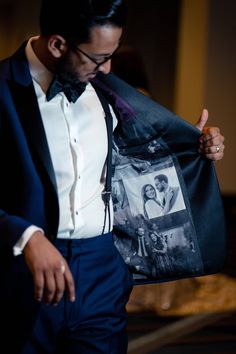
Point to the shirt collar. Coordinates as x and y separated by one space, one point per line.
38 71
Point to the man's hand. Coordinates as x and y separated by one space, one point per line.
50 270
211 140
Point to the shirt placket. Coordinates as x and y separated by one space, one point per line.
77 157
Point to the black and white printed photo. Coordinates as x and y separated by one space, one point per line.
151 218
161 253
156 194
173 250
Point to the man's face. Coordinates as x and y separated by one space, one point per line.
159 185
140 231
76 66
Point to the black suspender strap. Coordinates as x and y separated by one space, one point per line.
106 194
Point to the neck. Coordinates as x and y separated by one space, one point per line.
40 49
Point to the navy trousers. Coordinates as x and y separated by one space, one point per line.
96 321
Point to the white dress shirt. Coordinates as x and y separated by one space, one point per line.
77 140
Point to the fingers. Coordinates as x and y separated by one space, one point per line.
70 286
212 143
213 149
50 288
213 153
50 271
63 281
202 120
51 284
211 140
209 133
38 286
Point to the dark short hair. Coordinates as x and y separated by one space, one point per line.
74 19
161 178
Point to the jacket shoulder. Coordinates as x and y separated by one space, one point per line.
4 68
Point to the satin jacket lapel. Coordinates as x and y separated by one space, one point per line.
26 104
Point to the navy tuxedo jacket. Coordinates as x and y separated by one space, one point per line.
28 193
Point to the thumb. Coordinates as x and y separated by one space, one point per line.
202 120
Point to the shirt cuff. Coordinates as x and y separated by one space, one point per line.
19 246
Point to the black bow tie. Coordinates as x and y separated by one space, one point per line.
72 92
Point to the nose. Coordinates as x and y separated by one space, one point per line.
106 67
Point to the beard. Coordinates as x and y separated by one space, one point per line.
66 71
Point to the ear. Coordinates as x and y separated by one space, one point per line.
57 46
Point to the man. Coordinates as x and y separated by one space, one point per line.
64 286
167 194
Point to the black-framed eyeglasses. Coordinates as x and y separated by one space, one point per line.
95 61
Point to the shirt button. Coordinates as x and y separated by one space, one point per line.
77 213
75 140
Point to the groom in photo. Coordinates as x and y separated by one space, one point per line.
167 194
